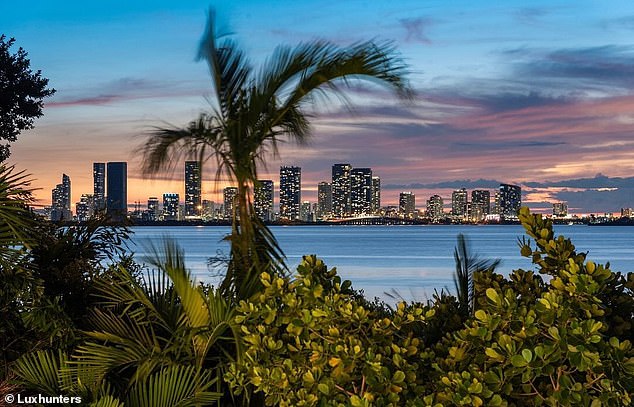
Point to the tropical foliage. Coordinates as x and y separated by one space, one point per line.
255 110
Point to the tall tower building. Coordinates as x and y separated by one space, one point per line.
192 188
324 200
481 200
99 186
60 201
459 203
341 190
407 204
153 208
229 197
376 195
435 208
117 190
263 199
510 201
290 192
361 191
560 210
170 206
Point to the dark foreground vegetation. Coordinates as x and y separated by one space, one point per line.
80 318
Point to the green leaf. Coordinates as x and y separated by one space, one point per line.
518 361
323 387
398 377
527 355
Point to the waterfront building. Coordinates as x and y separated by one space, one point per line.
435 208
305 212
152 208
263 199
117 190
208 210
99 186
230 195
459 203
510 201
481 199
290 192
376 195
495 210
560 209
60 201
324 200
407 204
84 208
341 190
360 191
170 206
193 188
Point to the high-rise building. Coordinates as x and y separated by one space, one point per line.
209 210
510 201
324 200
305 212
481 201
290 192
495 210
407 204
341 190
459 203
84 208
170 206
361 191
99 186
60 205
193 186
560 209
263 200
435 208
153 208
117 190
229 195
376 195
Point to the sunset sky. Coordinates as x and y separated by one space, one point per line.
535 93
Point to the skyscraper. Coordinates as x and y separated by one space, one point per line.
376 195
459 203
435 208
153 208
229 196
407 204
361 191
117 190
99 186
290 192
482 199
170 206
192 188
60 202
263 200
341 190
84 209
560 209
510 201
324 200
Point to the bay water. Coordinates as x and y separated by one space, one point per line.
411 260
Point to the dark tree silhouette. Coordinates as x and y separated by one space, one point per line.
21 94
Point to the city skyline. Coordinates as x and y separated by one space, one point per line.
540 96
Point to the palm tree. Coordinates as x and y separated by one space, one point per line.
255 110
467 264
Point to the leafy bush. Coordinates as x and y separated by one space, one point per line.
308 341
537 343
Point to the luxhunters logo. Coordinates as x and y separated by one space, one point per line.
40 399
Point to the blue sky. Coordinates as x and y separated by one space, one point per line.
538 93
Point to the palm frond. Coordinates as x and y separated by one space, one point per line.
40 370
176 386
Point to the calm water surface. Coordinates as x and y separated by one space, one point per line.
413 260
